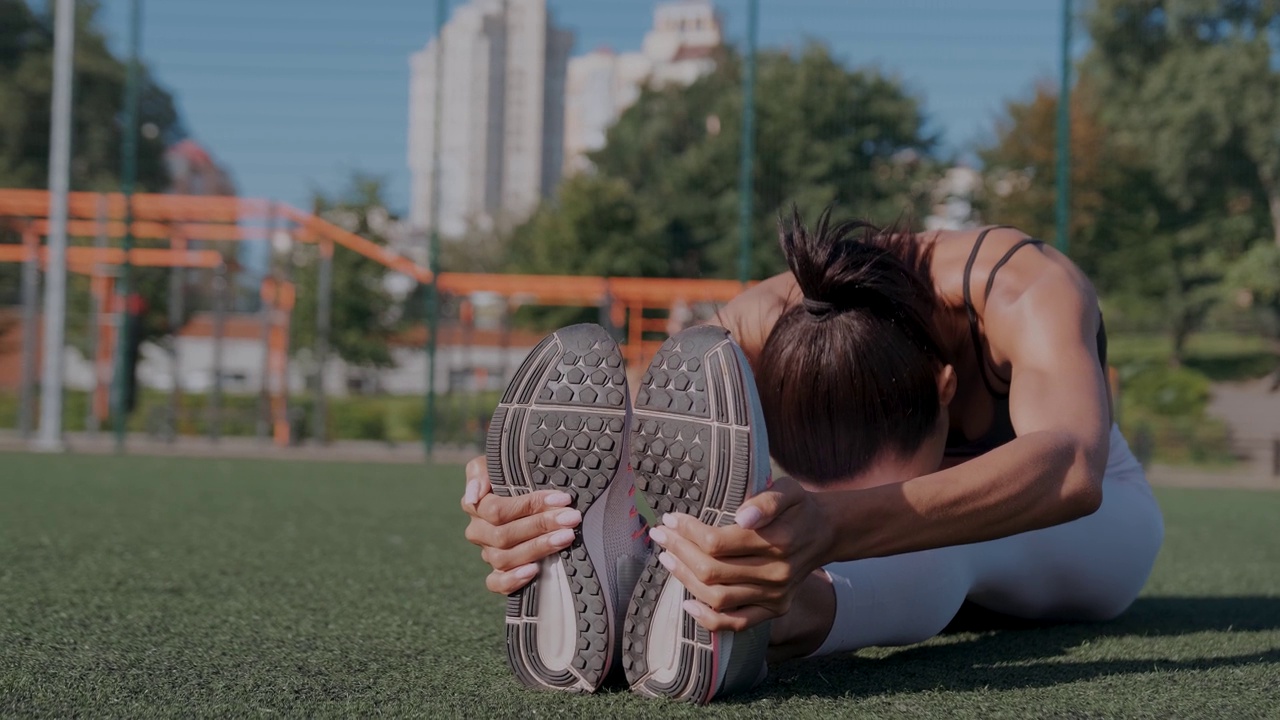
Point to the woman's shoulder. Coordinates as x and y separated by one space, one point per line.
972 257
750 316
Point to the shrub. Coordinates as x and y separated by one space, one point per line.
359 420
1165 390
1164 415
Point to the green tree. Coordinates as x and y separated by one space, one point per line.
1123 228
1192 82
1190 85
596 221
1168 188
662 199
26 77
1020 165
363 311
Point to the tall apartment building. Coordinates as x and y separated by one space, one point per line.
502 130
680 48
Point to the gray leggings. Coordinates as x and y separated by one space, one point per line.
1087 569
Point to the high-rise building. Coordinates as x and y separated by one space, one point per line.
680 48
502 130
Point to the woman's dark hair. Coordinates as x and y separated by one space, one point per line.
849 373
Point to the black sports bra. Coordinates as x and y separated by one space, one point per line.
1001 430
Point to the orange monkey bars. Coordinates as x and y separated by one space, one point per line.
180 219
78 257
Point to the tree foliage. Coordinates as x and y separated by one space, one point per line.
1192 82
363 318
1172 180
26 90
663 197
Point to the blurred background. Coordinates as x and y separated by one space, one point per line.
376 180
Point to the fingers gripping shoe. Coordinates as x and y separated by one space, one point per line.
698 447
561 425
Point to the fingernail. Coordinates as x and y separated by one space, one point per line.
473 492
749 517
561 537
569 518
526 572
669 520
559 499
658 535
692 608
667 561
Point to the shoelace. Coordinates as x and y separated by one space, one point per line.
642 531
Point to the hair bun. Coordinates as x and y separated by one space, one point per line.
831 263
855 266
818 308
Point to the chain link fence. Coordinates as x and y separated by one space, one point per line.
628 138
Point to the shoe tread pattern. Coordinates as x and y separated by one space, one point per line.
691 452
553 431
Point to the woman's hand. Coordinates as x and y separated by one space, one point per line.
745 574
514 533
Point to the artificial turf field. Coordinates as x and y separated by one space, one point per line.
139 587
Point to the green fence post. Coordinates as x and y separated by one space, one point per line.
1063 241
747 162
128 178
433 299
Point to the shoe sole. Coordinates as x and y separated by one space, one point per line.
692 452
561 426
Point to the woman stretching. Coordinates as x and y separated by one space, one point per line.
939 404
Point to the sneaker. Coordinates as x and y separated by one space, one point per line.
698 447
561 425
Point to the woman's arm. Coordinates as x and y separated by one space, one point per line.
750 317
1049 474
1043 325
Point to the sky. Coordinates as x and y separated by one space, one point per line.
294 95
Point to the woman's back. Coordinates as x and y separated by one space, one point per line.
971 271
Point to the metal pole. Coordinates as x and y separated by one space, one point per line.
95 317
746 164
128 178
176 289
466 315
91 347
263 426
505 343
266 316
324 319
433 299
605 311
30 335
220 287
49 436
433 323
1064 135
282 317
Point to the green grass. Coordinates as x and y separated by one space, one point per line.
135 587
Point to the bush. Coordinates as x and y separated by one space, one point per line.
1165 390
1164 415
1178 440
461 418
359 420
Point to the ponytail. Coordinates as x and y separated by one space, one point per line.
850 371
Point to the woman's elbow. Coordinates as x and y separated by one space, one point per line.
1082 483
1082 486
1084 498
